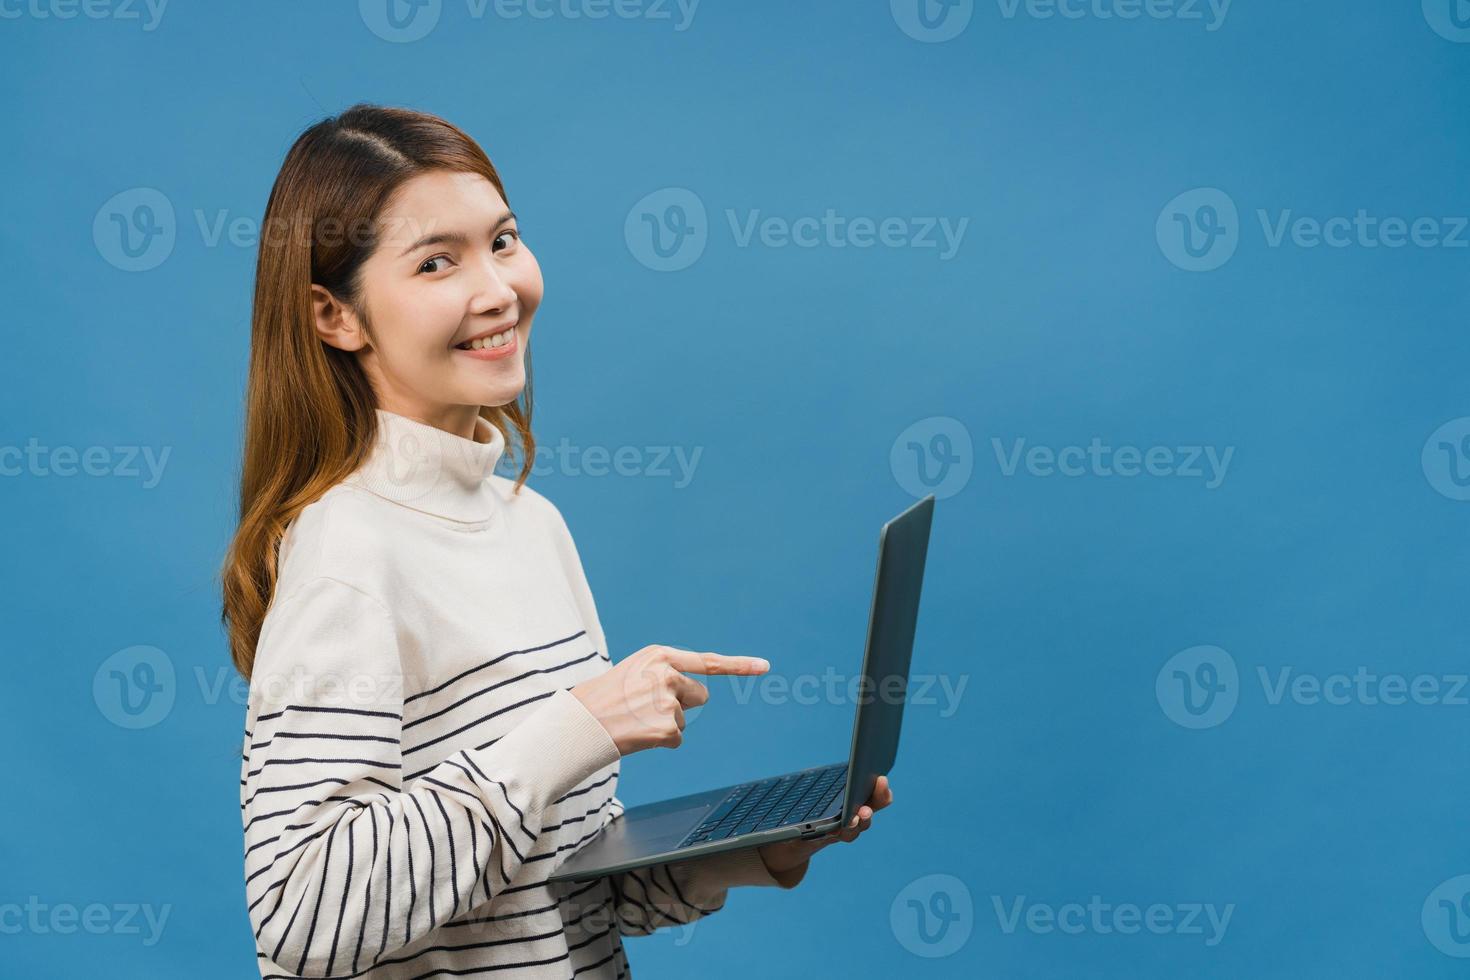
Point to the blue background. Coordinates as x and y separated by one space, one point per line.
1061 774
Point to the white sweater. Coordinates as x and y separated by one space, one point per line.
414 763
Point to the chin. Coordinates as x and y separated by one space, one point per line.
499 395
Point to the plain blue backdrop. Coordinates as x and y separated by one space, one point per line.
1130 271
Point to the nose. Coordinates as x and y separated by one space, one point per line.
494 293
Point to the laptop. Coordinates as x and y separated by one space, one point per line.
810 802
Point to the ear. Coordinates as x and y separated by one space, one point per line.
336 323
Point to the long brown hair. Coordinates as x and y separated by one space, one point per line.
309 407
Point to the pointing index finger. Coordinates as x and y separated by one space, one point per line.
716 663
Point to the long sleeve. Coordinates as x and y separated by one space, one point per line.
679 892
344 866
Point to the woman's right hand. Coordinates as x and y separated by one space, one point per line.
641 699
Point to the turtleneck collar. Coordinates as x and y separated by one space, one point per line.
423 467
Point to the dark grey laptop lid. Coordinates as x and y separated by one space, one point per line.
903 546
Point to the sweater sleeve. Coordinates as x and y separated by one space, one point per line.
344 865
679 892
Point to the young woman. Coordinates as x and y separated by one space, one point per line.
434 721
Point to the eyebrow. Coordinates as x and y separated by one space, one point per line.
452 237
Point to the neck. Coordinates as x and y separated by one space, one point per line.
432 469
457 420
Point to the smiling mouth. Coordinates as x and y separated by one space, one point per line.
493 341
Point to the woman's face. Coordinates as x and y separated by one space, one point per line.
449 273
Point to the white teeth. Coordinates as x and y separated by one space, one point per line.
499 340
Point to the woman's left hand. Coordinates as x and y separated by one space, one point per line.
787 859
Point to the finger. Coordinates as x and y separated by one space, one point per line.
864 821
882 794
690 692
716 663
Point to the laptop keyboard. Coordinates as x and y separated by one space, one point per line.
775 802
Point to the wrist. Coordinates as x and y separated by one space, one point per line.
785 877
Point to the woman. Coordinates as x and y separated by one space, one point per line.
434 721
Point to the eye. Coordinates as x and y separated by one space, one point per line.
512 233
428 262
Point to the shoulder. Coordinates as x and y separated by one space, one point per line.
528 503
342 535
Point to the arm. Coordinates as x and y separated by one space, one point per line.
679 892
343 865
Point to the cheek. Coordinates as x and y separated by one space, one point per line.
529 286
422 323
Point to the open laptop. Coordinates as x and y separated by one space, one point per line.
810 802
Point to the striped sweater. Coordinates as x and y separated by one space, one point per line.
415 765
